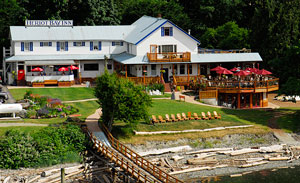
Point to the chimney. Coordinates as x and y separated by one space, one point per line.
189 31
159 15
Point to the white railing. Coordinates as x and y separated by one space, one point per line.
43 78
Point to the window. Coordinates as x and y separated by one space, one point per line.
117 43
175 68
26 46
95 45
182 69
78 43
62 46
46 44
109 66
91 67
128 48
166 31
190 69
153 70
167 48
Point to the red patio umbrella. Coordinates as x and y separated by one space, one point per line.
37 69
263 72
63 69
234 69
217 68
242 73
72 67
224 71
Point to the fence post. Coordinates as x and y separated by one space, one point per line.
62 175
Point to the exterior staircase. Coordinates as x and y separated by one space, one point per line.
167 87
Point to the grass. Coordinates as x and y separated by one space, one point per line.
64 94
85 109
289 120
230 117
165 95
29 129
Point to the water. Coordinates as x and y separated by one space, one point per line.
284 175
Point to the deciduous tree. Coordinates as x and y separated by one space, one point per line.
120 99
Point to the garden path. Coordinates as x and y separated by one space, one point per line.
21 124
83 100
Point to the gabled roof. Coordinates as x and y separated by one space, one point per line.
134 33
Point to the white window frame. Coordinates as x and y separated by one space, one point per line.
46 44
174 48
26 46
62 46
166 29
95 45
78 43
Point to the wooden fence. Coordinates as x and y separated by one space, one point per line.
208 94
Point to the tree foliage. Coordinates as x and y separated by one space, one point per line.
121 99
227 36
133 9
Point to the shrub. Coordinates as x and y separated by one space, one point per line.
17 150
31 114
46 147
43 112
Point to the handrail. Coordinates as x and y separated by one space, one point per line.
139 160
126 165
174 80
162 79
205 51
169 57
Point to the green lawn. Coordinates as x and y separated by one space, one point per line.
64 94
29 129
85 109
166 95
161 107
290 119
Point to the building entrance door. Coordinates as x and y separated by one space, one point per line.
166 75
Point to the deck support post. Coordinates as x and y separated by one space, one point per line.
239 101
198 69
125 71
188 71
251 100
143 67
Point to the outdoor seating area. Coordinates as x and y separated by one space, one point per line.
183 117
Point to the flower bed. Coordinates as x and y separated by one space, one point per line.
64 83
46 107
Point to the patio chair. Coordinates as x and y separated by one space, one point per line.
179 117
196 116
184 116
204 116
168 118
209 115
216 115
160 118
173 118
190 116
154 120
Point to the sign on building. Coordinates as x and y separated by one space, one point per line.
48 23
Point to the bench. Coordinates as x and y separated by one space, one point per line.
50 82
181 97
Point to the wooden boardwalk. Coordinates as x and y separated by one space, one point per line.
128 160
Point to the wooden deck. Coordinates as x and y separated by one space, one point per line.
169 57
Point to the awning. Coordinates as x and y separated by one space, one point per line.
50 62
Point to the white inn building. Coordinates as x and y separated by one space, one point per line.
149 50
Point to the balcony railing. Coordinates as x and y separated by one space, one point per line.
169 57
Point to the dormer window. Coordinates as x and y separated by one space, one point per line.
167 31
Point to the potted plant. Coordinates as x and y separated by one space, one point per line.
64 83
38 83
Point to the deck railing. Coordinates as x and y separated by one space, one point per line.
144 80
169 57
139 160
208 94
244 85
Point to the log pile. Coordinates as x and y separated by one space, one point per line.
208 159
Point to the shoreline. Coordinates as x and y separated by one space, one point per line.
236 141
